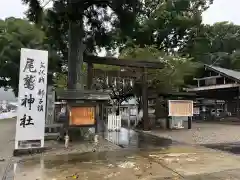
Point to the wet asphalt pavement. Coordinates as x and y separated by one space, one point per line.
173 163
130 139
141 156
233 148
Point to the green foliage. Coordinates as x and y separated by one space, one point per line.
154 26
167 24
60 81
217 44
100 17
14 35
172 76
60 78
118 24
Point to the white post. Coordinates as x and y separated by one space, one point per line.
66 141
115 81
107 80
131 83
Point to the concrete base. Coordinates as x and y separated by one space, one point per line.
51 136
20 152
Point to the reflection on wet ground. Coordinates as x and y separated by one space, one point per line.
117 165
135 151
142 156
131 139
174 162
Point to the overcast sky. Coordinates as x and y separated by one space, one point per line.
221 10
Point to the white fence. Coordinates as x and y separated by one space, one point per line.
128 117
114 122
113 137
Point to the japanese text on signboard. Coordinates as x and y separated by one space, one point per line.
32 94
33 78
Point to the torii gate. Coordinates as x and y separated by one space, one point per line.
144 65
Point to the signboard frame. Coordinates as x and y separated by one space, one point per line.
86 105
30 124
175 114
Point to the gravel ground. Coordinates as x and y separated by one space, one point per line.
203 133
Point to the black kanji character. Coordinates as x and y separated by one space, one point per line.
28 101
40 107
41 79
41 93
41 72
24 121
40 101
42 65
29 82
30 66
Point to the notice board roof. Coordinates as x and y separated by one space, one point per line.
82 95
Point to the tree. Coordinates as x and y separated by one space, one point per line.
169 25
217 44
169 79
14 35
172 76
93 33
118 24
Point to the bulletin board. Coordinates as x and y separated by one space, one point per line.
82 116
181 108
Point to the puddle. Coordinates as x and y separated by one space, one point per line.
128 138
128 164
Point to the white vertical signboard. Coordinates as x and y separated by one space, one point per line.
30 124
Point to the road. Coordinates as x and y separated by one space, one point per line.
7 135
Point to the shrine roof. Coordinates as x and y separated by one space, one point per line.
232 74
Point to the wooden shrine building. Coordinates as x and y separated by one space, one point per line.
219 84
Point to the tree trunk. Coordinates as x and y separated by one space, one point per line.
75 54
75 58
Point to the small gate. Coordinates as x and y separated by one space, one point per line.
114 122
127 118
